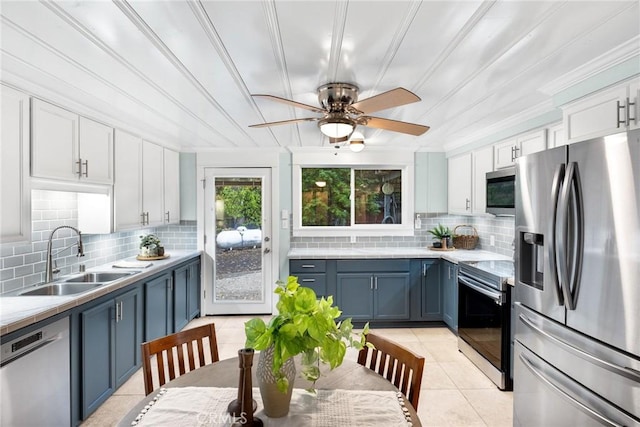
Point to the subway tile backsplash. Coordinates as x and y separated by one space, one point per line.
23 265
502 228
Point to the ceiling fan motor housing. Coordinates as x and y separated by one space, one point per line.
336 97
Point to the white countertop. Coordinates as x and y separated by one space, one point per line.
365 253
19 311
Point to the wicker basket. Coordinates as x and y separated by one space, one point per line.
467 238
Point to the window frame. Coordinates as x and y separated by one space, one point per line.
369 159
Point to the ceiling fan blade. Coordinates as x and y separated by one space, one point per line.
394 125
285 122
292 103
382 101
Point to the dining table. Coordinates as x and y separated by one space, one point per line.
350 384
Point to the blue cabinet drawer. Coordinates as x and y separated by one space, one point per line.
298 266
317 282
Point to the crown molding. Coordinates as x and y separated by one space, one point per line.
614 57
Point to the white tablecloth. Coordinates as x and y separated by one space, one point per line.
207 406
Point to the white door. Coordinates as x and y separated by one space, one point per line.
239 277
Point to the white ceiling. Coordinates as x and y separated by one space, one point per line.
182 72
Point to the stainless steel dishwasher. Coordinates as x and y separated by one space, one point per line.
34 378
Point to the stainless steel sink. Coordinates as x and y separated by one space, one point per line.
62 289
99 276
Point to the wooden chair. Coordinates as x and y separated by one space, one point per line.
170 354
399 365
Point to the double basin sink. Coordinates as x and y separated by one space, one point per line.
77 284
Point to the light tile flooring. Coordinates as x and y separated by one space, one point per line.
454 392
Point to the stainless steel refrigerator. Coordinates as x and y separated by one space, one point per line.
577 318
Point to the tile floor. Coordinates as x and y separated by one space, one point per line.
454 392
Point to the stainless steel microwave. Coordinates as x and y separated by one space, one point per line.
501 192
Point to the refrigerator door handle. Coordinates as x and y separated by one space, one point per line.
611 367
601 418
553 225
569 271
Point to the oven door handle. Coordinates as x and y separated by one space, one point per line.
497 297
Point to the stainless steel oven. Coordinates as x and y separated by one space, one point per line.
484 318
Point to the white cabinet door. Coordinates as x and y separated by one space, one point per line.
556 136
482 163
596 115
128 181
459 184
153 183
96 152
54 142
171 187
15 194
504 154
532 143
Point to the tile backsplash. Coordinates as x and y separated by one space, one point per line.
502 228
23 264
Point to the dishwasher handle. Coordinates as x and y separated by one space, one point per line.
19 355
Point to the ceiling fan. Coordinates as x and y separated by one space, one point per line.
342 112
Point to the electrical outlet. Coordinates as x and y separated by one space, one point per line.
492 240
353 239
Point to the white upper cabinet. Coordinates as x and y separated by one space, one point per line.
604 113
54 142
482 160
556 136
153 183
506 152
96 152
171 187
68 147
15 194
128 181
459 184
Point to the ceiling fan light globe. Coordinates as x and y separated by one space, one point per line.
336 128
356 145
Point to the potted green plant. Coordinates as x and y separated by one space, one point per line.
149 245
441 232
304 325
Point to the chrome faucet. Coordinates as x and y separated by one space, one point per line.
49 268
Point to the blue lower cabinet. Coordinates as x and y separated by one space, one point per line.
431 287
193 290
450 294
180 297
158 303
380 296
111 334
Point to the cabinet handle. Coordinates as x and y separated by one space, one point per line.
449 269
86 168
142 216
467 204
371 282
168 216
121 310
621 107
308 266
79 163
424 270
308 280
375 286
629 105
516 152
117 312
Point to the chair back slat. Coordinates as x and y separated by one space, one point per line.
169 354
397 364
